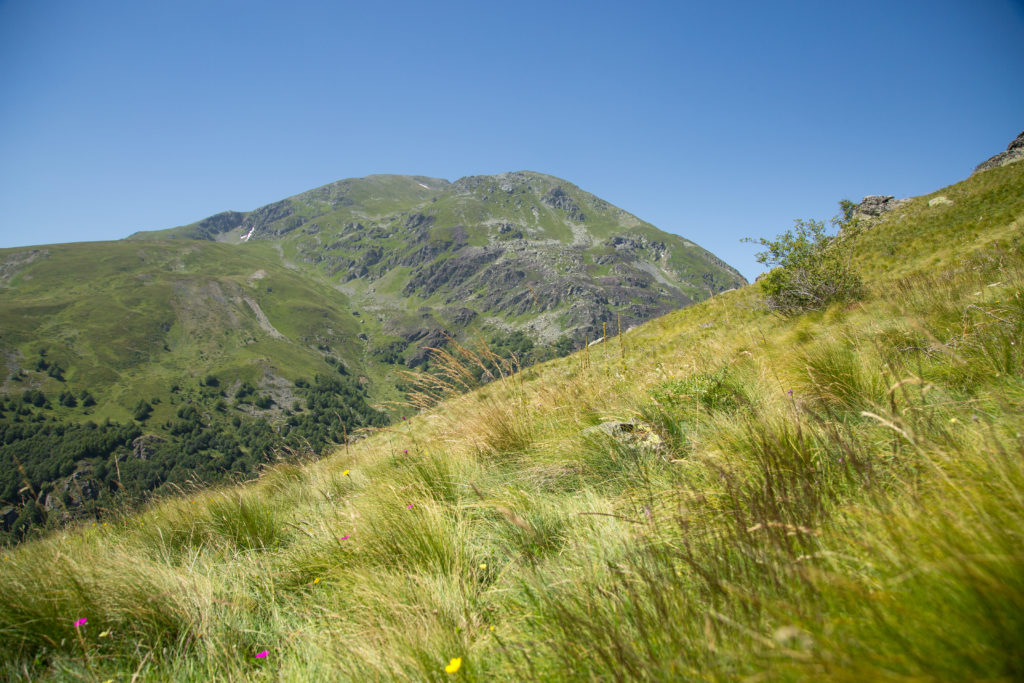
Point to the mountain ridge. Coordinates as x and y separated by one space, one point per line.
537 233
212 347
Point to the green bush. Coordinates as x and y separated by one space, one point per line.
810 269
142 411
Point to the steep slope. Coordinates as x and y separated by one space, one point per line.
728 494
198 353
127 320
514 251
132 366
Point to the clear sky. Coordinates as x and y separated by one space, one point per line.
712 120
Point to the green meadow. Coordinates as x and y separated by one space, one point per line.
836 495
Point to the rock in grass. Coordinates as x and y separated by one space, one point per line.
634 433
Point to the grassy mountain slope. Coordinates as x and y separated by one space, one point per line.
206 358
834 495
133 319
199 352
221 341
512 251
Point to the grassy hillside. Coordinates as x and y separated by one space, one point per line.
209 340
837 495
195 354
523 251
133 318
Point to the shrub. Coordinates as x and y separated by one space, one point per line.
35 397
810 269
142 411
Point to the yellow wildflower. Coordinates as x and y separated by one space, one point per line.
454 665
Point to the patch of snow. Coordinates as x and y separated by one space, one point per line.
246 236
422 185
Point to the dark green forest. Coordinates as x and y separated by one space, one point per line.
54 470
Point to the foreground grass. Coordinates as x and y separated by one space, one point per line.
839 495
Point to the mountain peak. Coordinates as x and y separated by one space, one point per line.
518 250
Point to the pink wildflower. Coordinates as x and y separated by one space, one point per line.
80 622
262 655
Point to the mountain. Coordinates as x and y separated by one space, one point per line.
720 494
198 353
517 251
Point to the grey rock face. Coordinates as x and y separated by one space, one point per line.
874 206
417 220
634 433
1014 152
145 445
209 228
557 198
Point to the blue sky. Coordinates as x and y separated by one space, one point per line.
715 121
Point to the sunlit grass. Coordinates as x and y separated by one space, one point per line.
836 496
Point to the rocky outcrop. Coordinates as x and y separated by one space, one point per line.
423 341
209 228
72 491
634 433
875 205
1014 152
462 316
262 220
417 220
557 198
146 445
450 272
